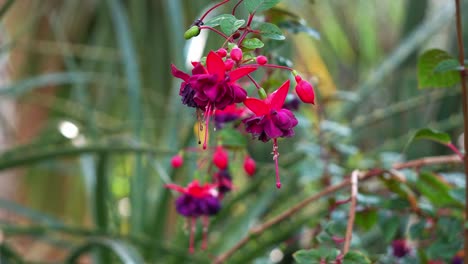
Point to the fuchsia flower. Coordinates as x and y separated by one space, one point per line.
197 201
250 166
305 91
212 87
220 158
177 161
223 180
400 248
271 120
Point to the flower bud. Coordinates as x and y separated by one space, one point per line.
228 64
262 60
221 52
305 91
192 32
220 158
236 54
250 166
400 248
236 35
262 94
177 161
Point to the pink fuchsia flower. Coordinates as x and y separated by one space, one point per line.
271 120
236 54
197 201
212 87
223 180
305 91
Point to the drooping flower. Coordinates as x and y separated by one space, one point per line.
271 120
305 91
212 87
220 158
249 166
197 201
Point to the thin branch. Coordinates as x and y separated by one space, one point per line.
255 231
461 58
352 211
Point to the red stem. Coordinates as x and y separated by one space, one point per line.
216 31
246 31
455 149
254 82
235 7
275 157
274 66
214 7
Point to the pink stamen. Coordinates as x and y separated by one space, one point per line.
207 123
206 223
192 225
275 158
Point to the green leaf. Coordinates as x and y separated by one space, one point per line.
430 134
216 21
355 257
366 219
229 26
447 65
269 30
253 43
297 27
232 138
259 5
389 227
315 256
434 189
427 75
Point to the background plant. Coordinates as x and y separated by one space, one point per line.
104 69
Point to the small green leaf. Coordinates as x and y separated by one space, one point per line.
229 26
216 21
447 65
259 5
431 134
435 190
253 43
297 27
427 74
355 257
269 30
366 219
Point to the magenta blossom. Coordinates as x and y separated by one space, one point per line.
197 201
229 114
271 120
212 87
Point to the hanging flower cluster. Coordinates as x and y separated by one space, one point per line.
217 87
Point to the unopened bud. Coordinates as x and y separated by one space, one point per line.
192 32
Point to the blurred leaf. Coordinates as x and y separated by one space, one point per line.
297 27
427 75
216 21
259 5
434 189
354 257
417 230
458 194
389 226
8 255
315 256
126 253
447 65
252 43
269 30
5 7
232 138
430 134
366 219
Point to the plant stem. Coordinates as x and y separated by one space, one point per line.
216 31
212 8
235 7
325 192
461 58
352 211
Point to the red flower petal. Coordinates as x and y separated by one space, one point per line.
215 65
240 72
305 91
176 187
277 98
257 106
178 73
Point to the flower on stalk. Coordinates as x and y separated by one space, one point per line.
211 88
177 161
197 201
271 120
249 166
220 158
400 248
305 91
